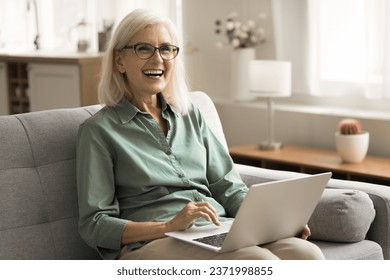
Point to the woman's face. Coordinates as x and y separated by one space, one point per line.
147 77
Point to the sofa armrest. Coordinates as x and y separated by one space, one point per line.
379 194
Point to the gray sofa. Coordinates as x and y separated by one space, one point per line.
38 199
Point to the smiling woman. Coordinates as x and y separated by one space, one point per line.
147 162
138 48
146 72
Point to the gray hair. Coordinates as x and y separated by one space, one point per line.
113 87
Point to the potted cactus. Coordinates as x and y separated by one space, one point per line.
351 141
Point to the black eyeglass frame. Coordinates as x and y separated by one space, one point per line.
133 47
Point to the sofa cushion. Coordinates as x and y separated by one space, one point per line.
342 216
38 195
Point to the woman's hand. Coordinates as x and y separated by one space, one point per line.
190 213
144 231
306 233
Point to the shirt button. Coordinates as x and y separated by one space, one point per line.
168 152
198 198
182 175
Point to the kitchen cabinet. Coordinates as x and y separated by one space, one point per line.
53 86
42 81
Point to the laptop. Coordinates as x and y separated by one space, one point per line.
269 212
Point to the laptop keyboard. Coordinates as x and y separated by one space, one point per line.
213 240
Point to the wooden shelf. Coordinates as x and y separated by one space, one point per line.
18 87
311 160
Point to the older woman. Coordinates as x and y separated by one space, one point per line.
147 163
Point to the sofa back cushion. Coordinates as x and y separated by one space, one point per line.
38 197
209 112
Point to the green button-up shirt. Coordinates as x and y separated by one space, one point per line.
128 170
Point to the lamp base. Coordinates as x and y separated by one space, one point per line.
266 146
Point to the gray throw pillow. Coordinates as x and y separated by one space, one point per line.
342 215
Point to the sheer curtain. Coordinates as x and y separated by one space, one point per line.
337 47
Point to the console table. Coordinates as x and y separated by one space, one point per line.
313 160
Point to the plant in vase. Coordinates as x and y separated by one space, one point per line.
243 37
351 141
239 34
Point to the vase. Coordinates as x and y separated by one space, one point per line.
239 82
352 148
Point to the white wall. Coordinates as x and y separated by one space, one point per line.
209 68
246 124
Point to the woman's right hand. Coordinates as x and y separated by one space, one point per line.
144 231
192 212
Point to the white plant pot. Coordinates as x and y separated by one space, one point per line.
352 148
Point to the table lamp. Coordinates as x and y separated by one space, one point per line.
270 79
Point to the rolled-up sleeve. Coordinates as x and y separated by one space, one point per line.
99 222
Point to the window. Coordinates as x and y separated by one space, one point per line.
351 49
343 46
57 20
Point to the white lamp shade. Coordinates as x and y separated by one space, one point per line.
270 78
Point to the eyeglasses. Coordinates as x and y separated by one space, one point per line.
146 51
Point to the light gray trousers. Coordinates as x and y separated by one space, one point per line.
169 248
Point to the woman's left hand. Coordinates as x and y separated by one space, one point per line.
306 232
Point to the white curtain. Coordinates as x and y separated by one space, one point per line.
337 47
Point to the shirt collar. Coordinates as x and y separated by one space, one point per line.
127 111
